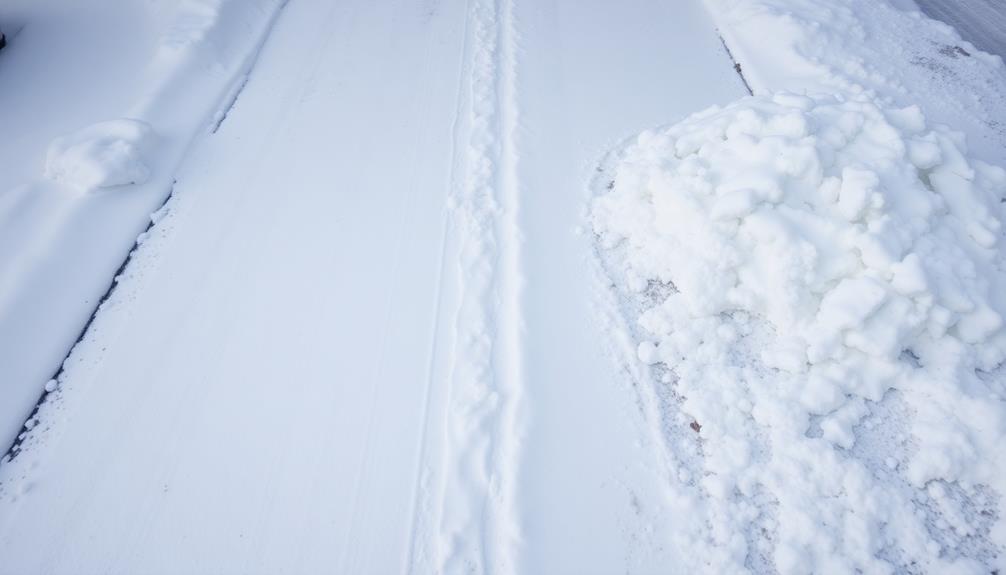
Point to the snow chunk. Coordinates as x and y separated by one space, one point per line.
102 155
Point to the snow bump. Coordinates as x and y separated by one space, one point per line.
102 155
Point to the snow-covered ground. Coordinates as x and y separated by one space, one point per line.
821 289
816 282
434 291
83 83
346 345
980 22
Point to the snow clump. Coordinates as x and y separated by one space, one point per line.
102 155
818 272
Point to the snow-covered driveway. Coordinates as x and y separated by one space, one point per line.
364 338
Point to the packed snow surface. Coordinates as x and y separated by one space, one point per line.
803 265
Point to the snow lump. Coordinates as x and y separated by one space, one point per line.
102 155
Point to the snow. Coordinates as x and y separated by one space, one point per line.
345 343
341 286
813 277
103 155
979 21
883 49
848 252
592 480
71 128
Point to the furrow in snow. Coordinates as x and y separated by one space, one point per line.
503 527
477 530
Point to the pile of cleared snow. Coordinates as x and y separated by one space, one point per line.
821 282
102 155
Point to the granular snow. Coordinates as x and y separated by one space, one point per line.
831 258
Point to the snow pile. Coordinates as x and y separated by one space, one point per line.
102 155
870 46
820 283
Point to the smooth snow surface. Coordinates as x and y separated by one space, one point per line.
362 336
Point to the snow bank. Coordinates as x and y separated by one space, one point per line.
803 268
102 155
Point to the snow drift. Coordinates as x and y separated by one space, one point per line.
820 281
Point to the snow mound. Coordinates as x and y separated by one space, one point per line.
820 281
102 155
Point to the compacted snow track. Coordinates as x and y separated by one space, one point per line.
364 335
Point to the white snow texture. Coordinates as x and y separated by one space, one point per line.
823 260
335 350
102 155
